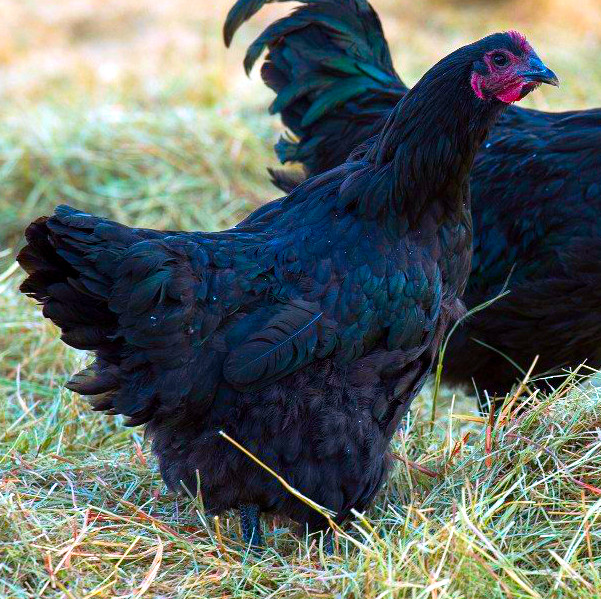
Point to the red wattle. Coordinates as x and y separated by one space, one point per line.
511 94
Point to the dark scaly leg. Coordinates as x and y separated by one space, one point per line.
328 542
251 525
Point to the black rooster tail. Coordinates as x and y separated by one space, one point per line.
330 66
70 259
72 287
241 12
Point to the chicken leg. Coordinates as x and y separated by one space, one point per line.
250 523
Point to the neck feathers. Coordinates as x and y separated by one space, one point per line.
426 150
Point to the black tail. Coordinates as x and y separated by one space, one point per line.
330 66
71 259
72 286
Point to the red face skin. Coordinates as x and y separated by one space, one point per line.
503 82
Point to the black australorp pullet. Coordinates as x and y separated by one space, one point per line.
305 331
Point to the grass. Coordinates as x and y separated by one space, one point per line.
166 167
136 112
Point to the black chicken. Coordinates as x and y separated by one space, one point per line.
536 187
304 332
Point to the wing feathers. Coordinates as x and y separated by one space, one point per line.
289 340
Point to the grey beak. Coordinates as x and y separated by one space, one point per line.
539 73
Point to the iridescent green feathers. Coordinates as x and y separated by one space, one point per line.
330 66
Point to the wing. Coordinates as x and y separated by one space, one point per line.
295 334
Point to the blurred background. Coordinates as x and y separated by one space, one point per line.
171 50
134 108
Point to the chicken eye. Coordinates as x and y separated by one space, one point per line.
500 59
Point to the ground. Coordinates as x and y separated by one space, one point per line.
134 109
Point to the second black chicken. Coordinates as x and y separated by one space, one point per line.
536 187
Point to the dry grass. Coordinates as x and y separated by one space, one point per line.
134 110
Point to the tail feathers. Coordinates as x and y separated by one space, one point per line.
330 66
132 297
69 274
40 260
241 12
109 391
71 259
97 379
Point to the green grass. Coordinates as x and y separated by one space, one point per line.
470 510
153 167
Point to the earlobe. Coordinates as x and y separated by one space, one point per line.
478 85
